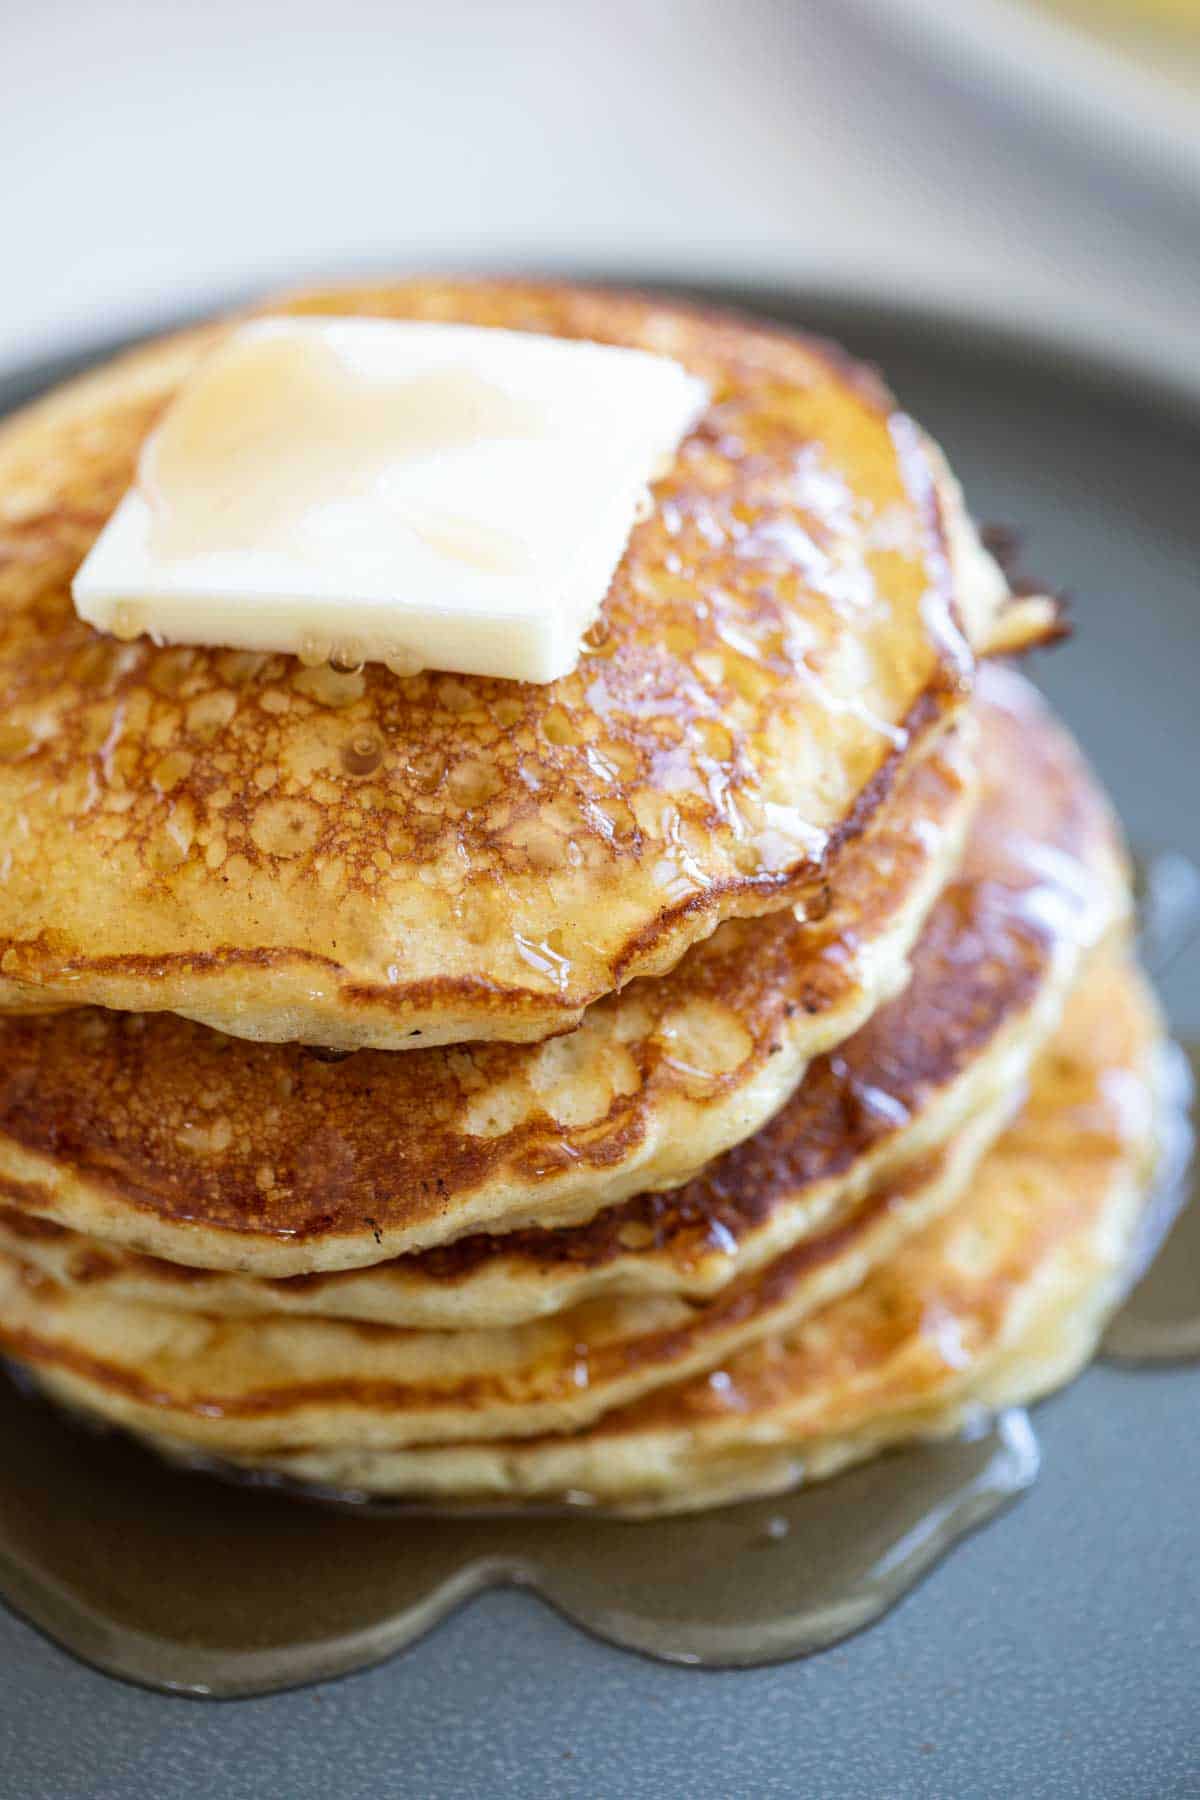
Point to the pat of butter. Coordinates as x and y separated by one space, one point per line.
425 495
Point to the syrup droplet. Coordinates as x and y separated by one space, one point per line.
127 623
425 770
346 658
363 754
402 662
597 634
313 651
545 959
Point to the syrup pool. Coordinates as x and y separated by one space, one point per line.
187 1584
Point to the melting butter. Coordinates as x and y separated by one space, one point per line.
423 495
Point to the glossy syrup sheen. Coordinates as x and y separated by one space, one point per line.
187 1584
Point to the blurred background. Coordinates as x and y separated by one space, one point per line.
1027 161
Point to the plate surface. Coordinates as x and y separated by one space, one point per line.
1056 1654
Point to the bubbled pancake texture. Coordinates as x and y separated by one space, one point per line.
169 1137
804 1240
355 860
1038 883
776 1084
999 1286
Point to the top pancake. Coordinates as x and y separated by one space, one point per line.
363 860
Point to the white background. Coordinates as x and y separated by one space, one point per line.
154 156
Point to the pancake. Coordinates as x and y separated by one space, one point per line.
353 860
1043 880
261 1384
993 1305
1039 886
1036 1243
166 1137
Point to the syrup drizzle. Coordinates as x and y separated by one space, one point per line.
185 1584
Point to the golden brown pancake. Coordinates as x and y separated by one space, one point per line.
992 1305
165 1136
1040 883
363 860
252 1384
1040 1233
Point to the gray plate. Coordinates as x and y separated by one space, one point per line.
1056 1654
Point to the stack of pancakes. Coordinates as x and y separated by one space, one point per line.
653 1088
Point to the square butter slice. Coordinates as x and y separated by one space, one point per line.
425 495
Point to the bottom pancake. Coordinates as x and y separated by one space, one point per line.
998 1299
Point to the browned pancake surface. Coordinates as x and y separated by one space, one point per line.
1040 883
213 1150
363 859
938 1303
